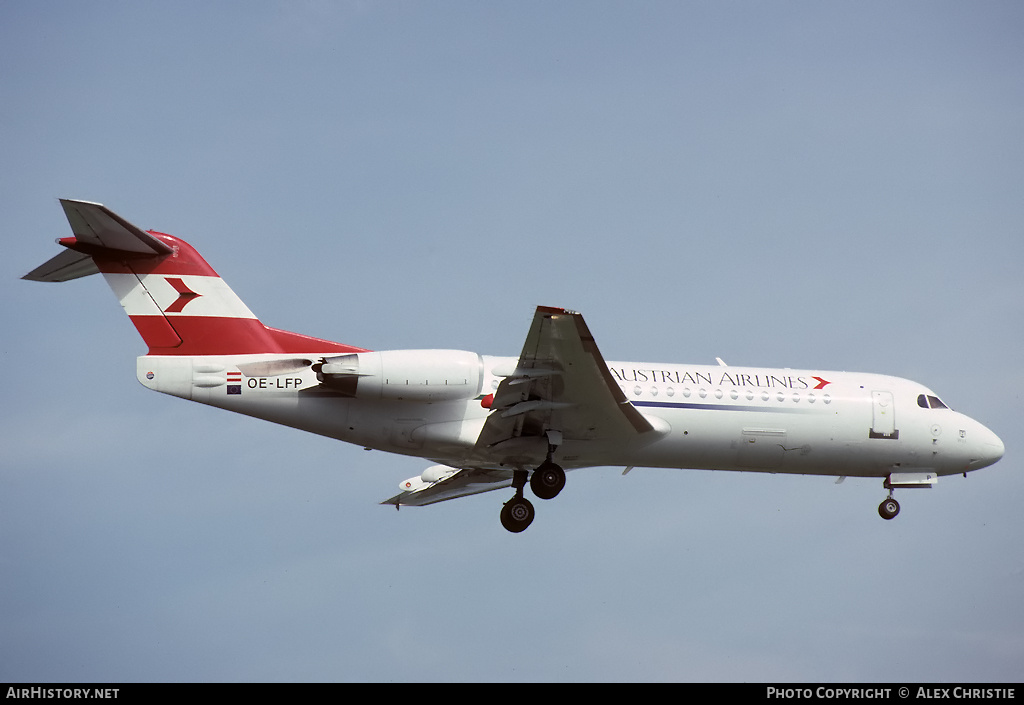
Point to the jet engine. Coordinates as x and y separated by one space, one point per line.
412 375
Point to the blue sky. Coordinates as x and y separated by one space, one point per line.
792 184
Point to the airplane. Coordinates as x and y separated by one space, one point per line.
489 422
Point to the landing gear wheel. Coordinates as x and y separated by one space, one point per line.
889 508
517 514
547 480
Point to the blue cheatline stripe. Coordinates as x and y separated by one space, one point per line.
723 407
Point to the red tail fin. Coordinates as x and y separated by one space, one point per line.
177 301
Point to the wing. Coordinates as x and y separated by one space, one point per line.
441 482
562 384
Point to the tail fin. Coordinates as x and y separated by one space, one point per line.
177 302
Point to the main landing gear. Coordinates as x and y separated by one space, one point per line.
545 482
517 513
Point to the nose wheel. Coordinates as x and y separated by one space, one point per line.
889 508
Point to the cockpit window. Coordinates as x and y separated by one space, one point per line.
930 402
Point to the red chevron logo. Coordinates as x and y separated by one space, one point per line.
821 382
185 295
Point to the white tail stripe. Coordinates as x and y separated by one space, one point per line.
176 295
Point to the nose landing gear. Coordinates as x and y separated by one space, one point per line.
889 508
905 479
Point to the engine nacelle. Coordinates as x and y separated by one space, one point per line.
413 375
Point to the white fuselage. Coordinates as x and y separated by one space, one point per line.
707 417
492 422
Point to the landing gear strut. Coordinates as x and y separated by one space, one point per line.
889 508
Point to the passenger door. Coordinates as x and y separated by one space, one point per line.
883 416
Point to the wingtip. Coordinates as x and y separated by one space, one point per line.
392 501
556 311
80 200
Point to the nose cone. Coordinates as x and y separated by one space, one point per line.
987 448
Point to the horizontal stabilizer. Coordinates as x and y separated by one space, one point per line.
64 267
97 229
93 224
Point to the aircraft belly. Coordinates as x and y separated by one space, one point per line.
324 416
